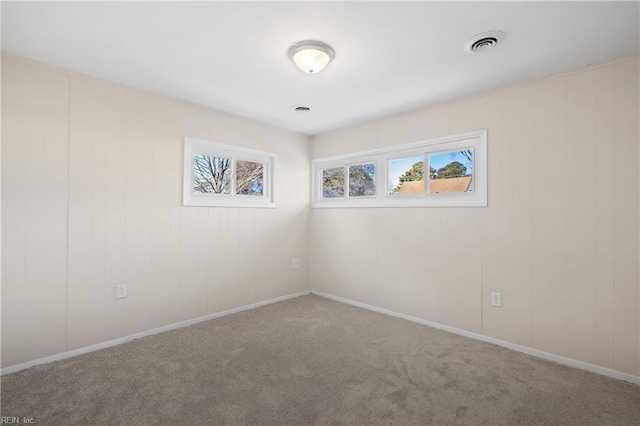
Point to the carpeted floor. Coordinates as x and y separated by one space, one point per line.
308 361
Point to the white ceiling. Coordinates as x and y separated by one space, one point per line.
390 57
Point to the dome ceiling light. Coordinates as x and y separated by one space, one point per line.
311 56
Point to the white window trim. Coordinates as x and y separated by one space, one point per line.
478 198
194 146
344 164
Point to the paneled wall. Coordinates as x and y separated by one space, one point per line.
559 238
91 198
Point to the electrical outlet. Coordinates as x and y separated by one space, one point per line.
295 264
496 300
121 291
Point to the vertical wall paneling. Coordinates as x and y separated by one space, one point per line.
55 201
453 250
35 136
410 272
32 184
14 154
473 291
115 210
165 132
215 264
507 176
175 312
389 259
431 261
559 237
99 291
194 122
626 217
581 215
549 216
520 133
493 264
80 181
141 295
108 161
605 208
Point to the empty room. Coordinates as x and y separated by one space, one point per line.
217 213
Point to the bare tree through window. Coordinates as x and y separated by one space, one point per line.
249 178
211 174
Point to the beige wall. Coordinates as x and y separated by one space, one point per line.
100 205
559 238
91 198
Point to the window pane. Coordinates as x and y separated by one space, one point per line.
333 183
211 175
249 178
451 172
406 176
362 180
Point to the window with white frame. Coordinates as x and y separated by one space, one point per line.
216 174
348 179
449 171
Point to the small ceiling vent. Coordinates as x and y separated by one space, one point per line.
301 108
484 41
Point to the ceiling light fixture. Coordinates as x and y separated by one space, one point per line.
311 56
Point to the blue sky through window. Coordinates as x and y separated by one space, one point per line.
440 160
400 166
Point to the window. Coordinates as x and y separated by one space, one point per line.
362 180
224 175
355 179
249 178
211 175
448 171
333 182
451 172
406 176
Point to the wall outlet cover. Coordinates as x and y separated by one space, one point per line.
121 291
496 300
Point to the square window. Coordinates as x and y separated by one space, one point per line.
451 172
406 176
362 180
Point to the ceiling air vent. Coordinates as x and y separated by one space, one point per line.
301 108
484 41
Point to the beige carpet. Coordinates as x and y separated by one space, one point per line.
314 361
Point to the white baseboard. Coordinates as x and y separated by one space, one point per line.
513 346
57 357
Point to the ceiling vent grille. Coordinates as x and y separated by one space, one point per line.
484 41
